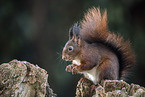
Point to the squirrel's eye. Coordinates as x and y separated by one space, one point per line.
70 48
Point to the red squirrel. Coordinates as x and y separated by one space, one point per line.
95 51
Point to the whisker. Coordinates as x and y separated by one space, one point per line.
59 58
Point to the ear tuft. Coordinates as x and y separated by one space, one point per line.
76 29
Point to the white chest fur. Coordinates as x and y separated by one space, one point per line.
92 75
76 62
89 74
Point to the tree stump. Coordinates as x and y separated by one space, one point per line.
109 88
22 79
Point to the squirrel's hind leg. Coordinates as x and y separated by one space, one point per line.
108 70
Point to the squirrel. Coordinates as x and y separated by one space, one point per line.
95 51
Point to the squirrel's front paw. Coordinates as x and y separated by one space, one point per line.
69 68
75 70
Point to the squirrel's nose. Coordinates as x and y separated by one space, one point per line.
63 57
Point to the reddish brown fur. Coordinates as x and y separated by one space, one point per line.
94 29
107 70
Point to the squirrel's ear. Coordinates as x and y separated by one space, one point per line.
70 33
80 41
74 32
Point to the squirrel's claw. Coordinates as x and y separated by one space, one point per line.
72 68
75 70
69 68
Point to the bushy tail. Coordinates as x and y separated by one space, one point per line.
94 29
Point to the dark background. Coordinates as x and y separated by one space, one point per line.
37 30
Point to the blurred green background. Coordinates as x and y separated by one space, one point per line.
37 30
